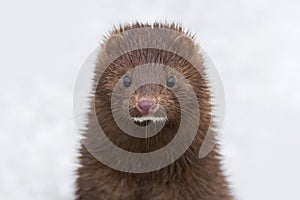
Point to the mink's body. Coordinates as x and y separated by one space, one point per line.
188 178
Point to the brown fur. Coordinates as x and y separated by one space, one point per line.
188 178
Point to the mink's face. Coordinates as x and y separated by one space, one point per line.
151 94
144 94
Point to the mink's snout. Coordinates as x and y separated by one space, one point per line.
147 106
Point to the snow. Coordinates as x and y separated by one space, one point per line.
254 44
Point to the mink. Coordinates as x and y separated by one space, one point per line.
188 177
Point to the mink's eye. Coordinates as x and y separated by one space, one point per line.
171 81
127 81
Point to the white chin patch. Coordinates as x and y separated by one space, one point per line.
149 118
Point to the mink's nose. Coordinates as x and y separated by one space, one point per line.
147 106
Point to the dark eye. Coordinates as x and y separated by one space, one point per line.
171 81
126 81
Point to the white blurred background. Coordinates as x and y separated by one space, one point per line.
255 45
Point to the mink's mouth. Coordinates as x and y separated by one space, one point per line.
145 120
158 117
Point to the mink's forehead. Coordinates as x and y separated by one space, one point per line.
148 72
145 71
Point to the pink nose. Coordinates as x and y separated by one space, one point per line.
147 106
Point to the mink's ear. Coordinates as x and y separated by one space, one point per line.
184 45
113 43
185 41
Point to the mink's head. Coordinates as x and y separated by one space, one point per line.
141 84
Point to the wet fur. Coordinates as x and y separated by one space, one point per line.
188 178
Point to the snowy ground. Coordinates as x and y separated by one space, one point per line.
255 45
